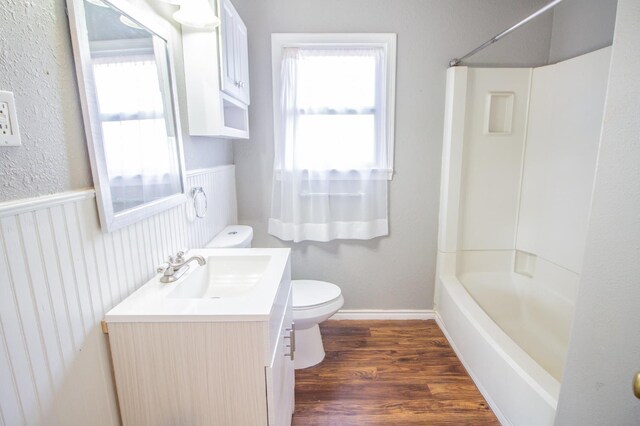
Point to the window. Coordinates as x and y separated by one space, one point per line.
341 110
333 135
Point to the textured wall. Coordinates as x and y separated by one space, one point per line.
604 352
581 26
397 271
36 63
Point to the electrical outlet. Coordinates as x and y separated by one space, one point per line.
5 124
9 130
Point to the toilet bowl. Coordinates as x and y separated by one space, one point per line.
313 301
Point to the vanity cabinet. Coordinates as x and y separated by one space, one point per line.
234 58
206 370
216 67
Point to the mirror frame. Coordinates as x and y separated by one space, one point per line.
109 219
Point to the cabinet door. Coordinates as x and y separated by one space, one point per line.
280 376
242 61
227 60
235 54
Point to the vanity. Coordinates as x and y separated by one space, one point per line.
215 347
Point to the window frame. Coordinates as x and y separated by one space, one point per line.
386 41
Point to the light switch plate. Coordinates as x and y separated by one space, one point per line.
9 130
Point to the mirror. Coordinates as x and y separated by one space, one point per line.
124 69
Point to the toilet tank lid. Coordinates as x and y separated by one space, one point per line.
232 236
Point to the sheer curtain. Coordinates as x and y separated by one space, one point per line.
330 169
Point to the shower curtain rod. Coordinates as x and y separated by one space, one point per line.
457 61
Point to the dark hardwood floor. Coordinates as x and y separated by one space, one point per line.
388 373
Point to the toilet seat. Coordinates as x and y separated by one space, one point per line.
312 294
314 302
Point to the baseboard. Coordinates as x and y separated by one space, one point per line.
494 407
383 314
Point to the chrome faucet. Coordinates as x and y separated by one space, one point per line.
177 266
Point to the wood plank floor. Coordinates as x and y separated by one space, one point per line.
388 373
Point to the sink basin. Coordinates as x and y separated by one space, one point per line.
222 276
234 285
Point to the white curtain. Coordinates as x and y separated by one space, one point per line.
330 169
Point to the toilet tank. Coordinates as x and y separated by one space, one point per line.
233 236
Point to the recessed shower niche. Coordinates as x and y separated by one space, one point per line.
499 113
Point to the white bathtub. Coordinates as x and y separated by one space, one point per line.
510 331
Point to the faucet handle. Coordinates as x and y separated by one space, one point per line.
180 254
162 267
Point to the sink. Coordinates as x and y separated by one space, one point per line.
222 276
233 285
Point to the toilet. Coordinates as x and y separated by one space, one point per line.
313 301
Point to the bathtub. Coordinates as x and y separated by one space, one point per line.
510 330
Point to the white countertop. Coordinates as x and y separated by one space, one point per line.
150 302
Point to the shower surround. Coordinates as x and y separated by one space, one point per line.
519 161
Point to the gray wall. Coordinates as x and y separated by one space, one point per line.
581 26
36 63
604 351
394 272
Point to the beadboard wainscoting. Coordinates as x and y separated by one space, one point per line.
60 274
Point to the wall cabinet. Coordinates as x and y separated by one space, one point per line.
234 58
216 66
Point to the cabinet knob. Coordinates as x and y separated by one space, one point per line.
241 84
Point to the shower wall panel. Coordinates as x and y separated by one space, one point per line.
494 137
567 103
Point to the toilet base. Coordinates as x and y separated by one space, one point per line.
309 347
